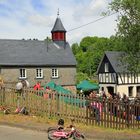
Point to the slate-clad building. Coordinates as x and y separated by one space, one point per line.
35 60
114 76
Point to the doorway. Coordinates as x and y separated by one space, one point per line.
111 90
130 91
138 91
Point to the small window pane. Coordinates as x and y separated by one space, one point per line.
106 67
22 73
39 73
54 73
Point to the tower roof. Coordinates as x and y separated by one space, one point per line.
58 26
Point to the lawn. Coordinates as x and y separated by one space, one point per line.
91 132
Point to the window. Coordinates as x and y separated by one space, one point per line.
106 67
22 73
54 73
130 91
39 73
62 36
56 36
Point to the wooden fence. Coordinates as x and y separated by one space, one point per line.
96 111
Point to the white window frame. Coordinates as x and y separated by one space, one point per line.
54 73
106 67
39 73
22 73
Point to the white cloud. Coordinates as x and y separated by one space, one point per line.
26 22
91 10
96 7
40 20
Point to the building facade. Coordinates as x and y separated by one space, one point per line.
39 61
114 77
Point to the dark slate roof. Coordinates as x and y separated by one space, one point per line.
35 53
58 26
115 59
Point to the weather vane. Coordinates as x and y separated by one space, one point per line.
58 13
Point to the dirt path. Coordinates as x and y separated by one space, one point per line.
91 132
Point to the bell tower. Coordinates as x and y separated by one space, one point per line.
58 31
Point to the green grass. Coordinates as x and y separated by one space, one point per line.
93 131
38 106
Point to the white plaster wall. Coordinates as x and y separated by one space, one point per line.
122 89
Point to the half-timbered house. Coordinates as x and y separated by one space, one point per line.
114 77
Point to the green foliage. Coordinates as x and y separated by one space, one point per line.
75 48
89 53
87 42
117 43
81 76
129 30
91 49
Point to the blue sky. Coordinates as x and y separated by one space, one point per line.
35 18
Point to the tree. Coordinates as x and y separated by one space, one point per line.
89 53
81 76
87 42
75 48
129 30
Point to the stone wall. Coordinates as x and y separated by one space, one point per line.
66 76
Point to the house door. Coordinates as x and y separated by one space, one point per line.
138 91
111 90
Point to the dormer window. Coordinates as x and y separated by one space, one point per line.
106 67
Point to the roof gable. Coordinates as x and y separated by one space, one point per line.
101 67
115 60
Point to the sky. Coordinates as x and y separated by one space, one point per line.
31 19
